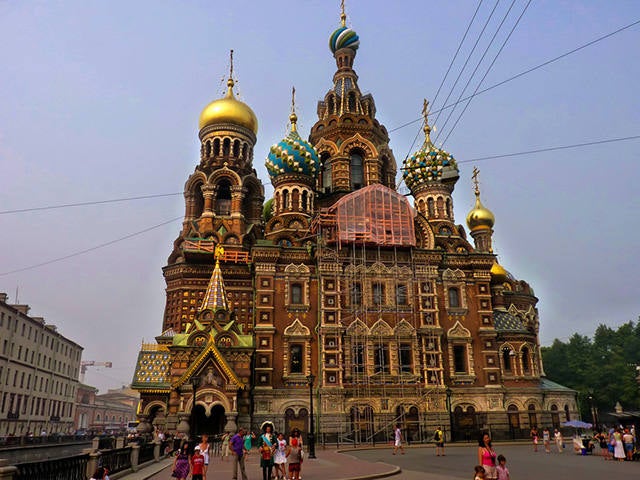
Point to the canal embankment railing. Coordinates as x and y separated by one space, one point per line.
119 461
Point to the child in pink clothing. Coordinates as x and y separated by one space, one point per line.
501 469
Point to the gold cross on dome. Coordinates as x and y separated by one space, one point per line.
219 253
474 176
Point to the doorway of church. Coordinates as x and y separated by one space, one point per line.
212 424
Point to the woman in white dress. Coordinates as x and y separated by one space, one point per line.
280 457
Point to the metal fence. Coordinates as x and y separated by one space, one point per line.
70 468
116 460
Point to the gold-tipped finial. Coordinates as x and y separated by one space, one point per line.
476 183
219 252
230 82
425 117
343 15
293 117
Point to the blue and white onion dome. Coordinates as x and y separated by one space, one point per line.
292 155
344 37
429 164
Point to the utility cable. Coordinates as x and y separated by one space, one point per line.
468 58
82 204
473 74
518 75
90 249
435 98
488 70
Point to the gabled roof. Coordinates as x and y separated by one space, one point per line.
506 322
152 369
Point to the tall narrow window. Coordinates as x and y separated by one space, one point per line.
357 174
404 357
525 359
326 173
296 359
381 359
356 294
223 198
454 297
506 358
401 294
296 294
377 290
358 358
459 358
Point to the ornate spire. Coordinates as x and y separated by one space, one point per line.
343 15
293 117
230 82
215 297
476 183
425 117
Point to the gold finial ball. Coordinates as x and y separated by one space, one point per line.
229 110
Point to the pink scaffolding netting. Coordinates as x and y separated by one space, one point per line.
373 215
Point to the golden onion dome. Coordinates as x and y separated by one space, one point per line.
480 217
229 110
498 273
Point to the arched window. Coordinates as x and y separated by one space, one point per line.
454 297
448 209
305 196
401 294
377 290
285 200
226 146
525 360
533 420
430 208
216 147
460 358
236 148
198 201
223 197
358 358
507 353
326 173
357 174
567 414
331 105
207 149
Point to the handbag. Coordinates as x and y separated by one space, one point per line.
174 474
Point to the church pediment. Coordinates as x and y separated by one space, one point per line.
297 329
210 357
357 327
381 328
458 331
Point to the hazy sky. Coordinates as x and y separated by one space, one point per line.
100 100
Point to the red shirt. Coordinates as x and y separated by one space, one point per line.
197 464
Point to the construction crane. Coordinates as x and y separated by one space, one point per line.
91 363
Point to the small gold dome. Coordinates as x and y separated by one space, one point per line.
498 273
480 217
229 110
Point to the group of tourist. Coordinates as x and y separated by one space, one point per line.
280 459
616 443
558 439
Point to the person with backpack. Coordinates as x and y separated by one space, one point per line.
438 438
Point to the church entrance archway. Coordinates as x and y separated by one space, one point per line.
212 424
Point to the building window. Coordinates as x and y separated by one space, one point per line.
404 356
377 289
296 294
356 171
507 353
401 294
358 358
295 364
356 294
326 173
525 360
381 359
459 359
454 297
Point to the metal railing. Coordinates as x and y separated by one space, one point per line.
70 468
116 460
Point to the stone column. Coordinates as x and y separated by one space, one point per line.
208 191
135 456
237 195
157 443
183 425
92 464
231 425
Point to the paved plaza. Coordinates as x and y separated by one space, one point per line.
421 463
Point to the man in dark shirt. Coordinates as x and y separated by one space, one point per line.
238 451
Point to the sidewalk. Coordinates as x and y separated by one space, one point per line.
329 465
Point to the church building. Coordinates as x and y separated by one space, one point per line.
339 297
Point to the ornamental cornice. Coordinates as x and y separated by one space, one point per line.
223 129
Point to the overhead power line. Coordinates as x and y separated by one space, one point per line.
82 204
90 249
487 71
518 75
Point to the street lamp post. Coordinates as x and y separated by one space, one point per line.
195 383
449 394
311 435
